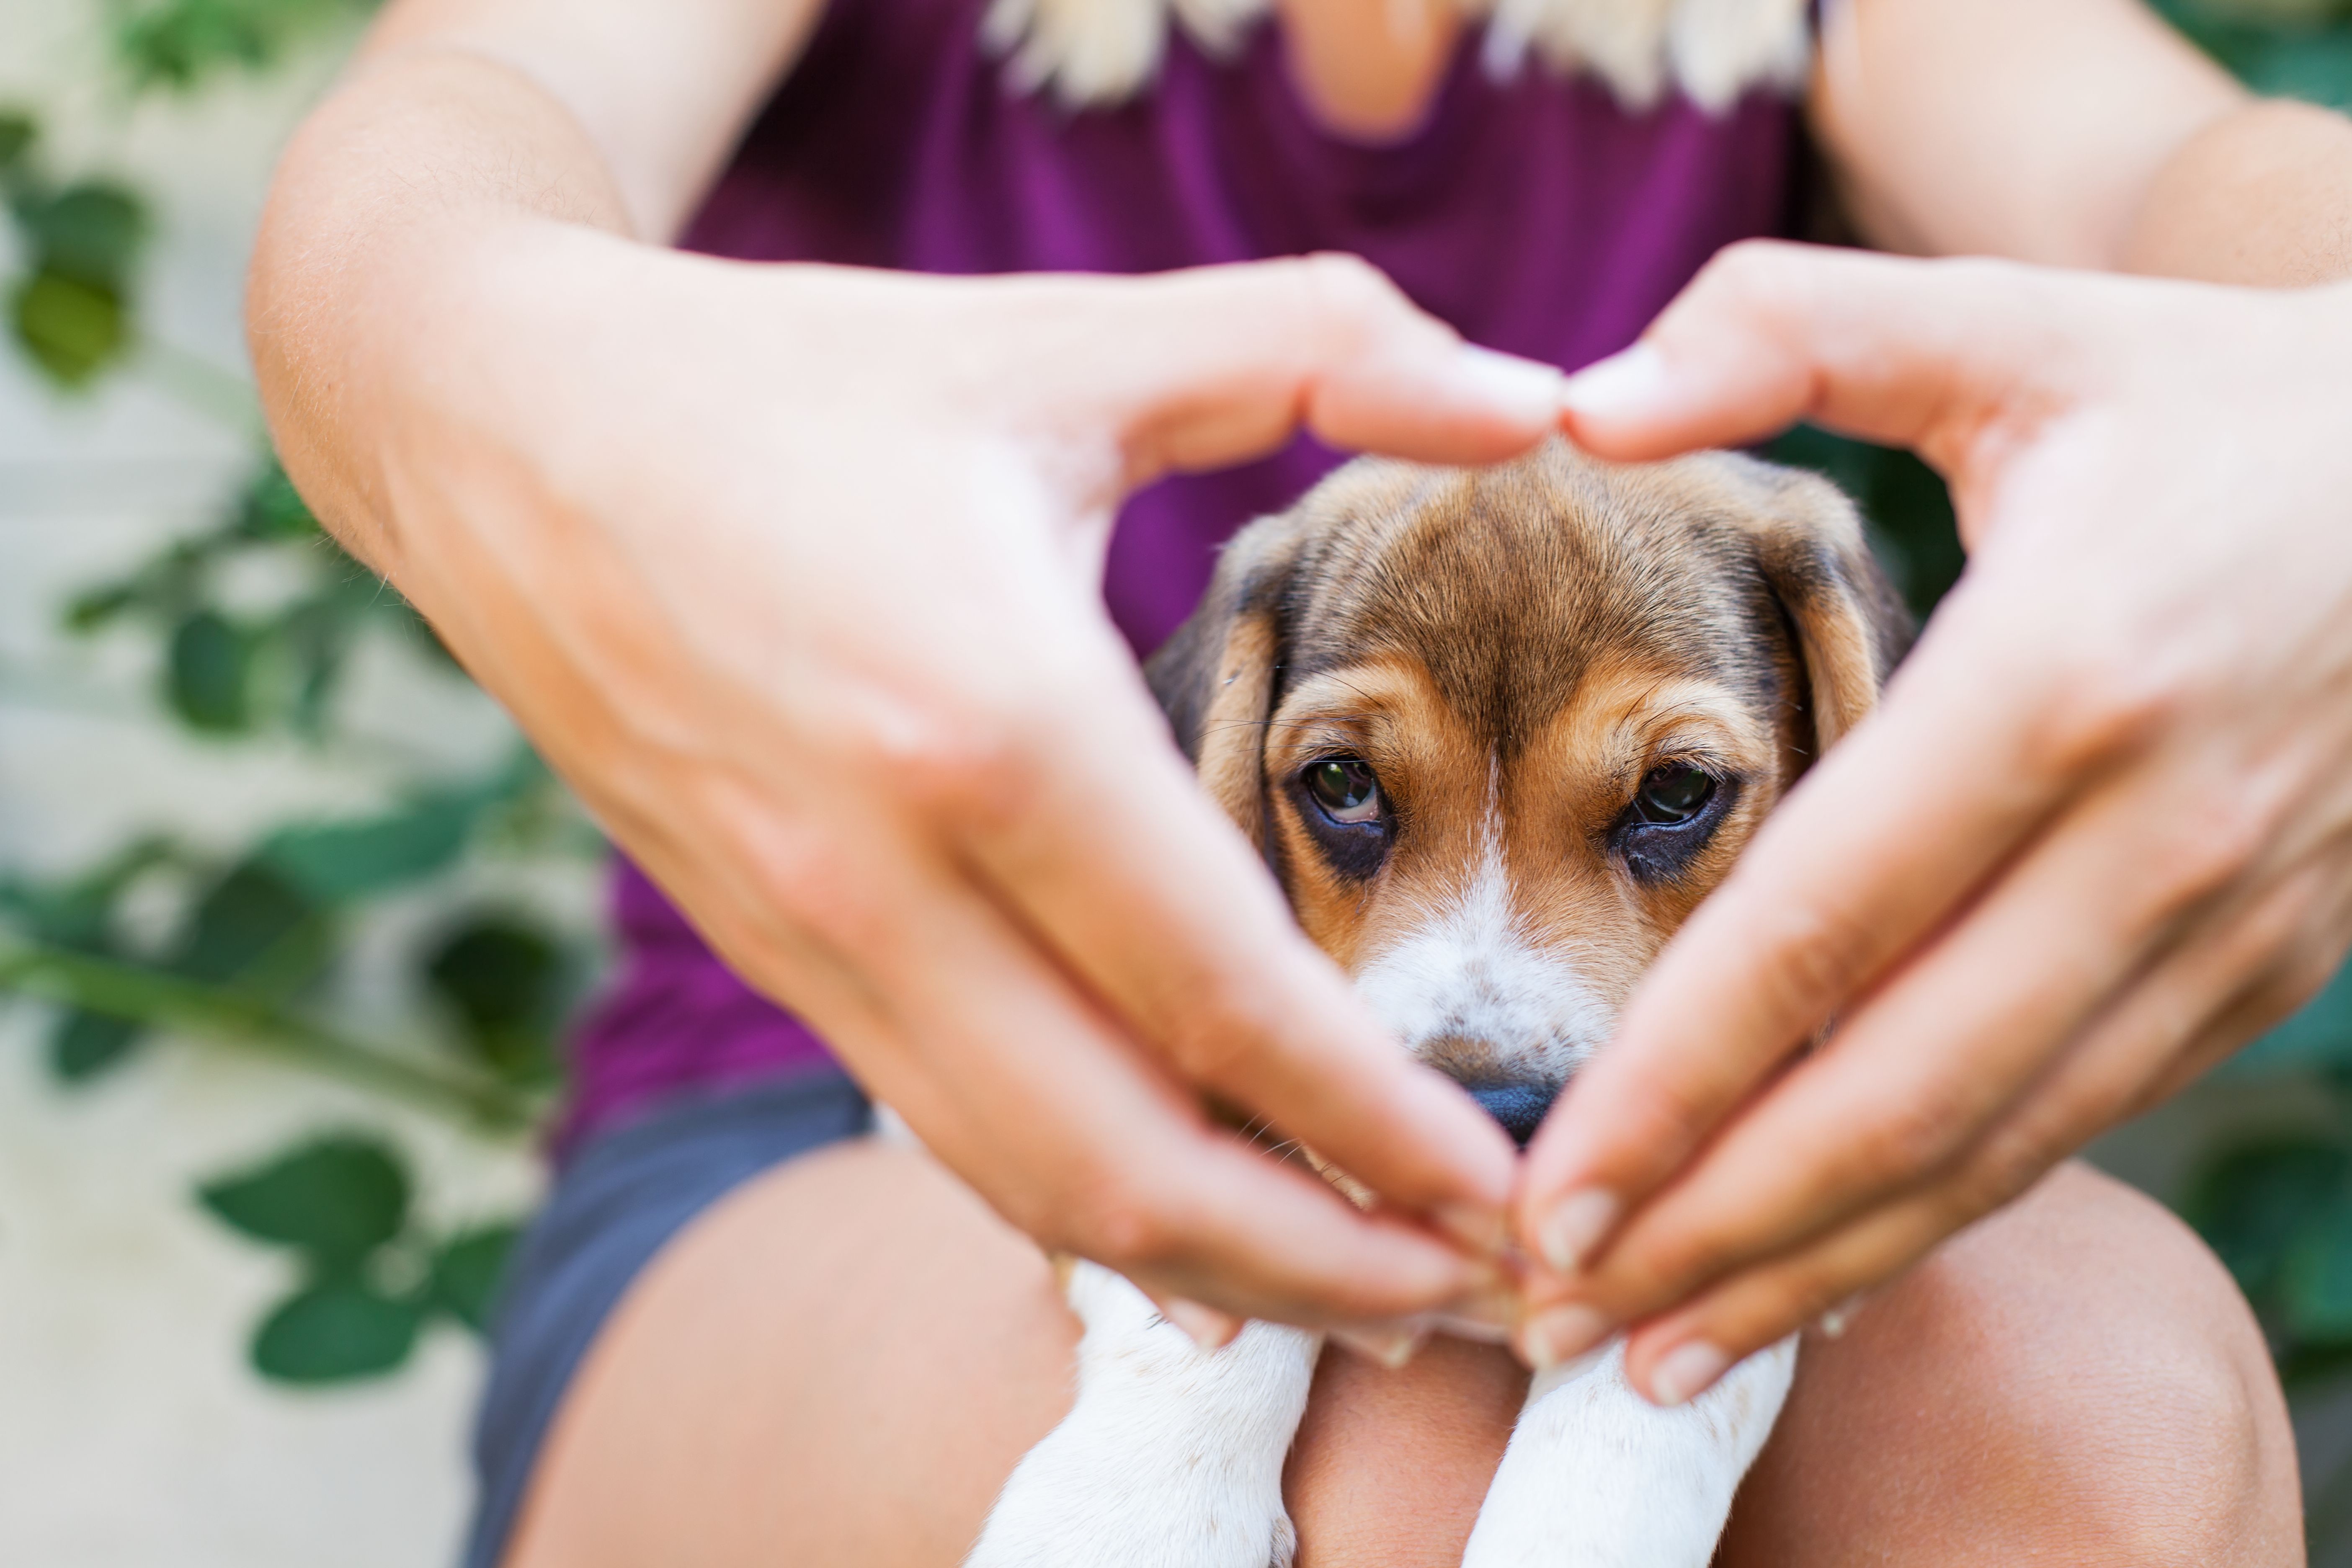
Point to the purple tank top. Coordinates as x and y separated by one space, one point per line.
1535 214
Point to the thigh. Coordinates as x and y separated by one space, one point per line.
842 1362
839 1362
2076 1380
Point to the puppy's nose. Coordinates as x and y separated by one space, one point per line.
1519 1107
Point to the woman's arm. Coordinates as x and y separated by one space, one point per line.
792 572
2096 837
463 119
2075 133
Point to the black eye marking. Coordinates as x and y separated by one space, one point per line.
1341 805
1670 818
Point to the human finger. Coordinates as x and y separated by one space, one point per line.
1204 1326
1017 1081
1212 366
2193 1009
1837 884
1938 1052
1098 837
1946 357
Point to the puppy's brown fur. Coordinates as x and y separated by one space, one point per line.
1512 652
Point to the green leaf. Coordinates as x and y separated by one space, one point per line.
506 982
2255 1203
253 925
317 637
467 1271
72 328
333 862
336 1331
18 134
91 231
93 609
209 674
183 43
2316 1280
78 911
273 509
85 1044
335 1200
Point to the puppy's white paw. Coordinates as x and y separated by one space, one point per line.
1086 1498
1595 1477
1171 1458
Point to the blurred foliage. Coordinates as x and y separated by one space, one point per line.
2288 48
255 938
370 1277
231 674
183 44
69 309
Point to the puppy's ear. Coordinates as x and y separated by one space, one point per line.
1216 676
1851 626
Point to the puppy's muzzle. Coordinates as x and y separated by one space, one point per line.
1519 1107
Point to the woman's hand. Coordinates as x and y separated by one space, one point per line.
2098 835
793 573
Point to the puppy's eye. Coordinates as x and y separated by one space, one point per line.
1345 789
1673 794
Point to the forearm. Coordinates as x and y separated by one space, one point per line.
465 125
2018 128
2261 197
2075 133
389 190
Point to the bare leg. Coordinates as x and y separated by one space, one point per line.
2074 1381
841 1363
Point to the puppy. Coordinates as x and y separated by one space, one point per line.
1497 733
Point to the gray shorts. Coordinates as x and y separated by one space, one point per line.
622 1197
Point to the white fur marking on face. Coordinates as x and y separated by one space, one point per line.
1469 973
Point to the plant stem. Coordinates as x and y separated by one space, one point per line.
217 393
235 1017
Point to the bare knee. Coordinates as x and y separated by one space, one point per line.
2076 1380
1390 1467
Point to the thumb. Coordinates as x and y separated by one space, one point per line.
1217 365
1925 355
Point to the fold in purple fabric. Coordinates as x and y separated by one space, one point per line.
1535 214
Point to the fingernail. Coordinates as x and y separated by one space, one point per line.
1528 390
1470 1326
1483 1231
1489 1314
1575 1226
1560 1334
1631 382
1685 1372
1204 1326
1392 1345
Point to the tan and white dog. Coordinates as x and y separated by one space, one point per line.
1497 733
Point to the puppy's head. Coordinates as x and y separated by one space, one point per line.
1497 731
